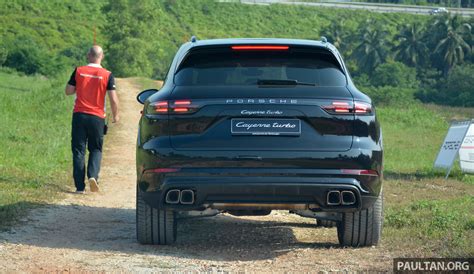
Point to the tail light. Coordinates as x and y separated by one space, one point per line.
339 107
347 107
362 108
367 172
156 174
160 107
162 170
172 107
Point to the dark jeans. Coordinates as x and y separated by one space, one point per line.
86 129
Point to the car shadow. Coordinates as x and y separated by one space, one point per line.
221 238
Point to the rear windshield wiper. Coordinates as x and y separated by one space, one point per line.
277 82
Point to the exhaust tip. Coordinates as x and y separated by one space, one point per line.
187 197
333 198
172 196
348 197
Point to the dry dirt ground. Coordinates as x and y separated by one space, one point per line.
96 232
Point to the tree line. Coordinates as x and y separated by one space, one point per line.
445 3
391 56
424 58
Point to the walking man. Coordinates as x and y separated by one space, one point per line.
90 84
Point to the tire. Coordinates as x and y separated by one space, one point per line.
362 228
154 226
325 223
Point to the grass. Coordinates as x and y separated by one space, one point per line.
429 218
34 141
413 136
147 83
425 215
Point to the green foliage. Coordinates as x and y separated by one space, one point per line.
39 36
29 57
3 54
457 90
448 220
372 48
451 32
337 34
412 48
134 58
388 95
394 74
34 137
75 54
391 83
460 84
444 3
35 122
141 37
132 32
412 137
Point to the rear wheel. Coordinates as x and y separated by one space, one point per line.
362 228
325 223
154 226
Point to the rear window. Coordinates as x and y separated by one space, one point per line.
229 67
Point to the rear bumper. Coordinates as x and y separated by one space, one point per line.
264 190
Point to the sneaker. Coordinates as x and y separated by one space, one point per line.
80 192
93 185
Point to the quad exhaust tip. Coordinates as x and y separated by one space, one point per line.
172 196
348 197
187 197
176 196
344 197
333 198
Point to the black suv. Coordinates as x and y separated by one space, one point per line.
245 126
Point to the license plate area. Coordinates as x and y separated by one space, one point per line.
266 127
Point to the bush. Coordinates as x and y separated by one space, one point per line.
26 57
3 55
130 57
389 95
392 82
76 54
31 58
394 74
459 87
456 91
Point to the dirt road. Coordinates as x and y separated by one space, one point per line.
96 232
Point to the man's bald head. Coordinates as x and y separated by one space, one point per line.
95 54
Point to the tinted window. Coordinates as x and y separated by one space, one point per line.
227 67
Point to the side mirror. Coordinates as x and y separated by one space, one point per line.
142 96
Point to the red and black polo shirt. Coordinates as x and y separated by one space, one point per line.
91 82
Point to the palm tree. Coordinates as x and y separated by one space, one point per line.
412 49
338 34
452 45
372 49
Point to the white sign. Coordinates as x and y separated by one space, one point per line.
452 142
466 153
